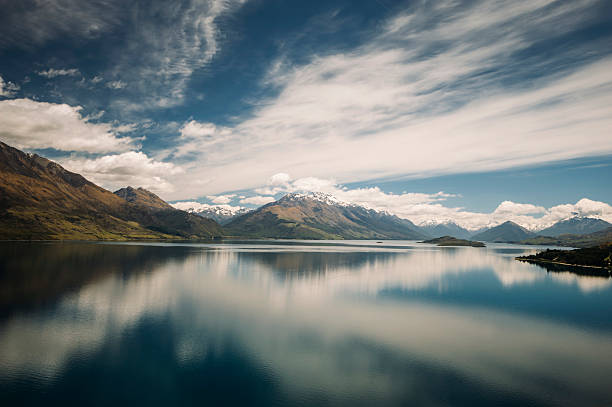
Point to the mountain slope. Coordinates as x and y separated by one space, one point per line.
576 226
320 216
39 199
588 240
446 229
142 197
156 214
506 232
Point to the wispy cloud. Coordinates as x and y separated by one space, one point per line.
54 73
427 95
171 43
29 24
161 46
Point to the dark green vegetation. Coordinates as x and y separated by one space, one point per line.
576 226
573 240
508 232
39 199
314 217
598 258
453 241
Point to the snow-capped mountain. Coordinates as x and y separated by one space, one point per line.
508 232
220 213
321 216
577 225
315 196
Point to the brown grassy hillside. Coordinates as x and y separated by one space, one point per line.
39 199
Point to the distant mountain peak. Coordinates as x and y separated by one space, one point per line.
577 225
314 196
444 228
220 213
318 215
506 232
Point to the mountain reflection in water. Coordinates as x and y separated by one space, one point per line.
300 323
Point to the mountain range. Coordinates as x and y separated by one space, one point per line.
577 225
573 240
39 199
321 216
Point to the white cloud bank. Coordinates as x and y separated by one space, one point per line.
413 101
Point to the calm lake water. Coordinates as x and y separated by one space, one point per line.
298 323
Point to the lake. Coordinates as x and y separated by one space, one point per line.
298 323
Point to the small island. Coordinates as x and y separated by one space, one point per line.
453 241
592 260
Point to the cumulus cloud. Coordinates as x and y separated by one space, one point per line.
131 168
425 96
257 200
53 73
8 89
26 123
193 129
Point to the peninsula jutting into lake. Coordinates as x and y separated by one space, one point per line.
593 260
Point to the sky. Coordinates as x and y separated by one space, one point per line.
469 111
